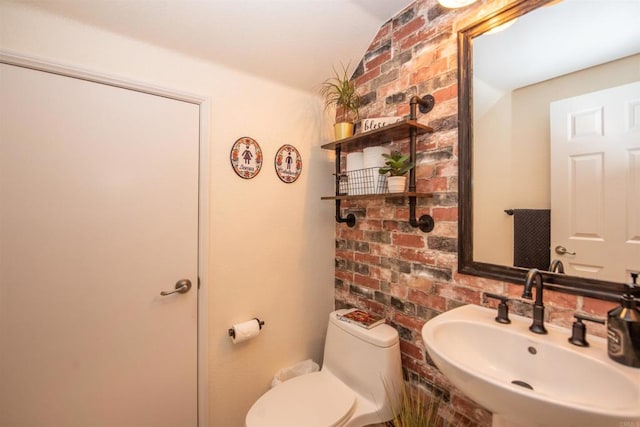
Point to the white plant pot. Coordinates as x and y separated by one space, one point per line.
396 184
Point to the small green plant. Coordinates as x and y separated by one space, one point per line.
341 91
396 164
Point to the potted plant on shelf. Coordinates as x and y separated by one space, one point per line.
341 91
396 165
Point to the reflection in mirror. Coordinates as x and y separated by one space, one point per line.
546 95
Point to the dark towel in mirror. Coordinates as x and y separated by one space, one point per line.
532 238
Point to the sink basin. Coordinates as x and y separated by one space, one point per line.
527 379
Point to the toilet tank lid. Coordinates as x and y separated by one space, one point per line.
381 335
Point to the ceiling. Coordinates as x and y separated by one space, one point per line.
294 42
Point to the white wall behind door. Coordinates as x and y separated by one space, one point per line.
271 244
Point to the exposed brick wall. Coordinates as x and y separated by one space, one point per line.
383 264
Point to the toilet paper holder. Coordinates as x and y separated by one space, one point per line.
232 332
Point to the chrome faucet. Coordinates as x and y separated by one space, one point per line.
556 266
534 275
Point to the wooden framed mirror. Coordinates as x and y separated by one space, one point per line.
521 56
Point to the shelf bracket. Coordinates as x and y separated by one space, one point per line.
426 103
425 223
350 219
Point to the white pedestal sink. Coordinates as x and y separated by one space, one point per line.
527 379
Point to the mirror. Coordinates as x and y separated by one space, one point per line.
506 87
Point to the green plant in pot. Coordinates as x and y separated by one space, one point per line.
396 165
341 91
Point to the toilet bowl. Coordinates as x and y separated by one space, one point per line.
355 387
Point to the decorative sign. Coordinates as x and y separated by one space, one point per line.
288 163
378 122
246 157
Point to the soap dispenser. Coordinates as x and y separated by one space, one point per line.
623 328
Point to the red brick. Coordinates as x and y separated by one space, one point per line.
437 184
425 171
344 275
408 28
383 212
368 282
448 169
391 225
471 410
442 95
561 300
439 66
413 39
383 33
368 76
411 350
513 290
560 317
401 214
344 254
445 214
350 234
597 307
366 258
370 224
410 240
446 229
408 322
449 260
424 257
383 250
402 110
459 293
377 61
414 365
372 306
398 290
418 282
431 301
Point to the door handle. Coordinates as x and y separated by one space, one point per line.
561 250
182 286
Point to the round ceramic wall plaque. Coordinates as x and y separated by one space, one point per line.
246 157
288 163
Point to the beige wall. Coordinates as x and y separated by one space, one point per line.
513 136
271 244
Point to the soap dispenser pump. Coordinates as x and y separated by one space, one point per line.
623 328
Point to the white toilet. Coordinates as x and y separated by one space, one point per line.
349 390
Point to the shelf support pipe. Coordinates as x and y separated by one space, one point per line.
350 219
426 103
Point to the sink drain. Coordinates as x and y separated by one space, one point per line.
522 384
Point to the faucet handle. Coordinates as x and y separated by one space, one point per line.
503 308
579 330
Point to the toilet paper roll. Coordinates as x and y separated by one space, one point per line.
372 156
354 161
245 330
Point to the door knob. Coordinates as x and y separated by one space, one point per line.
182 286
561 250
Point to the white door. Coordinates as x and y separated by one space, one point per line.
98 215
595 182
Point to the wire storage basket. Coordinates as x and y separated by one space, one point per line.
362 181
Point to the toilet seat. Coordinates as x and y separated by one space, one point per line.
314 400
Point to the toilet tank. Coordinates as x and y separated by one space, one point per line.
364 359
